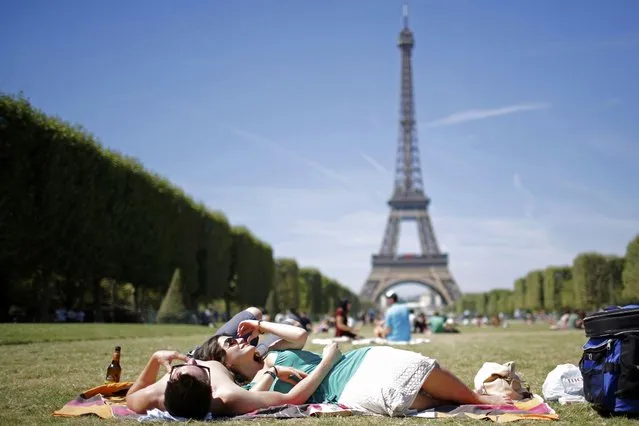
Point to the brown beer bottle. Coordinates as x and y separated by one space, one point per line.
114 369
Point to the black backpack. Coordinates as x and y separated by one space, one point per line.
610 361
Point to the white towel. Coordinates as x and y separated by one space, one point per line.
156 414
373 341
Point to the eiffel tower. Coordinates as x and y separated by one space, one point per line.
409 203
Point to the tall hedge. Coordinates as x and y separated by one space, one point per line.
614 272
505 301
631 271
519 295
590 280
173 310
556 281
330 288
287 284
252 267
534 290
481 302
72 207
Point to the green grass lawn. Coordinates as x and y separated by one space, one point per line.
46 365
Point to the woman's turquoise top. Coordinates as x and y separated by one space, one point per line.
333 384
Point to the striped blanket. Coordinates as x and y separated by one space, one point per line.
108 401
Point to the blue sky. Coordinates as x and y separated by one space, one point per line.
283 114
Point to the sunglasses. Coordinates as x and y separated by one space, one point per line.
229 341
201 367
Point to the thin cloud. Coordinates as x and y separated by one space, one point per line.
609 200
613 102
615 147
482 114
377 166
567 47
529 197
320 168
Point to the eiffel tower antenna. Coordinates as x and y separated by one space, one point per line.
405 13
409 203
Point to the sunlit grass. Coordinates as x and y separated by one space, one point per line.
64 359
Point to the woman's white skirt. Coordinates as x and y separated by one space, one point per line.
387 382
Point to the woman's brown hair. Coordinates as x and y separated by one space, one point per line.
212 350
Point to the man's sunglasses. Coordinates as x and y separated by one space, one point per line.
201 367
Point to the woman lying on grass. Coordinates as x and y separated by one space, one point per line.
194 388
380 379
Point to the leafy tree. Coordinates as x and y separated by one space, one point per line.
315 297
631 271
73 213
172 309
591 280
534 290
614 280
519 296
481 302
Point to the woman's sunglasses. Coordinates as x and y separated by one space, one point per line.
229 341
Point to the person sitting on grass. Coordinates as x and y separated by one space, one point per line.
396 326
341 321
381 379
194 388
439 324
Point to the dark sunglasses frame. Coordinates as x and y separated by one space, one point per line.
229 341
202 367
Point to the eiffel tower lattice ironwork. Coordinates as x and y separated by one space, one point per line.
409 203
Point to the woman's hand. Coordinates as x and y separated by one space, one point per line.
290 375
332 353
166 357
248 328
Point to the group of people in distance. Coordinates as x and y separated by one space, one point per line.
251 364
396 326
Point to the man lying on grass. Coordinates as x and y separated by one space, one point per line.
193 388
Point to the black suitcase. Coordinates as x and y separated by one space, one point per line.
610 361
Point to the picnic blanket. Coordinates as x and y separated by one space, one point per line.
108 401
105 401
368 341
529 409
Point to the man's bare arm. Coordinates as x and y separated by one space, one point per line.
145 393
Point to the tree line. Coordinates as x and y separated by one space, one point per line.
593 281
85 227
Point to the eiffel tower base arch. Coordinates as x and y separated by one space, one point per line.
437 278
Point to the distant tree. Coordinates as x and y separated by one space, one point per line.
590 278
534 290
614 272
631 271
172 310
519 295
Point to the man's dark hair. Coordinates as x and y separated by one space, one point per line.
188 397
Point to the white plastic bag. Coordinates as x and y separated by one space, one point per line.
564 381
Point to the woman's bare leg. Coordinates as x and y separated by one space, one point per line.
425 401
444 386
